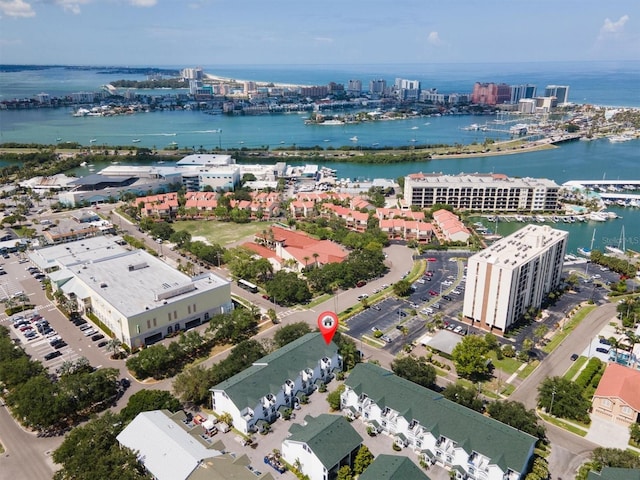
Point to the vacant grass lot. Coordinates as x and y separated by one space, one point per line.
222 233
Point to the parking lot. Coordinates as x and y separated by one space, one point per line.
432 294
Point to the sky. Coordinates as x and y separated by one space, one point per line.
331 32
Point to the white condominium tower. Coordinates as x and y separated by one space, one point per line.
513 274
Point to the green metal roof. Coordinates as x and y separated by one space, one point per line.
268 374
506 446
609 473
330 437
393 467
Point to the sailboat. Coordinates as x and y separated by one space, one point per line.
621 243
587 252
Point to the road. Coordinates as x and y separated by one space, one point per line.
568 451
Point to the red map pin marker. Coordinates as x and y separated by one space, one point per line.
328 324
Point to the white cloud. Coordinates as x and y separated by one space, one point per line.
16 8
434 39
613 28
72 6
323 39
143 3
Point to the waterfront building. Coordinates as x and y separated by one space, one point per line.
481 192
527 105
440 431
451 227
83 97
377 87
315 91
512 275
179 446
545 104
503 93
43 98
192 73
321 446
484 94
257 395
354 87
137 296
520 92
617 398
561 92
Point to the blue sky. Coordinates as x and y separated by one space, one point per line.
246 32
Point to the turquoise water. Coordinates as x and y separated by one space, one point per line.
603 83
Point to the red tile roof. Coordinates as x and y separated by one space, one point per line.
620 382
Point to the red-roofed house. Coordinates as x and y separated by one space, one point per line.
452 229
355 220
617 398
164 205
299 247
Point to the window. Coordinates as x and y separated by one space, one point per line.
627 410
194 308
148 324
606 403
189 309
154 322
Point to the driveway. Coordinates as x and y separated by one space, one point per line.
607 434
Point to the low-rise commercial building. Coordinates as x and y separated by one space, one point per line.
134 294
442 432
278 381
512 275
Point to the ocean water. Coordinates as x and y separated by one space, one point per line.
601 83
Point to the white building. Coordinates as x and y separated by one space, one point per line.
322 446
513 274
482 192
255 396
173 446
137 296
561 92
443 432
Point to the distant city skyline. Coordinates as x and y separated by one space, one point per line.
285 32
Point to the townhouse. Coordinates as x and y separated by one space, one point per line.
257 395
442 432
617 398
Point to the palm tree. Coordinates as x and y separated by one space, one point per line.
113 346
315 257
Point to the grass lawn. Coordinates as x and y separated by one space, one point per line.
568 328
222 233
575 368
570 426
526 371
508 365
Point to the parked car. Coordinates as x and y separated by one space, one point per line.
574 357
90 331
602 350
52 355
432 259
97 336
102 344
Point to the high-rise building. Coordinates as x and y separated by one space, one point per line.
192 73
484 94
491 192
518 92
503 93
561 92
377 87
354 87
512 275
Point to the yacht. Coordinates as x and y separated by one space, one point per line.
83 164
620 138
619 249
93 140
354 139
135 140
414 128
586 252
597 217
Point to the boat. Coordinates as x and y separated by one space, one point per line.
59 139
619 249
93 140
173 144
586 252
83 164
332 122
354 139
135 140
620 138
414 128
597 217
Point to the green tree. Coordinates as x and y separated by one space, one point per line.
192 385
415 370
634 431
469 358
288 289
333 398
563 398
345 473
146 400
457 392
402 288
289 333
516 415
363 459
91 451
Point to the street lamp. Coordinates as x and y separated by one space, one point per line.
553 396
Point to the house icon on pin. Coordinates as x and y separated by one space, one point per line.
327 322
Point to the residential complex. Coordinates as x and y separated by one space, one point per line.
512 275
176 446
321 446
488 192
140 298
617 398
393 467
442 432
256 396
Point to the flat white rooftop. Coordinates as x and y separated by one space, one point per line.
482 179
520 247
205 159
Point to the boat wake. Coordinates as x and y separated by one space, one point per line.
215 130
